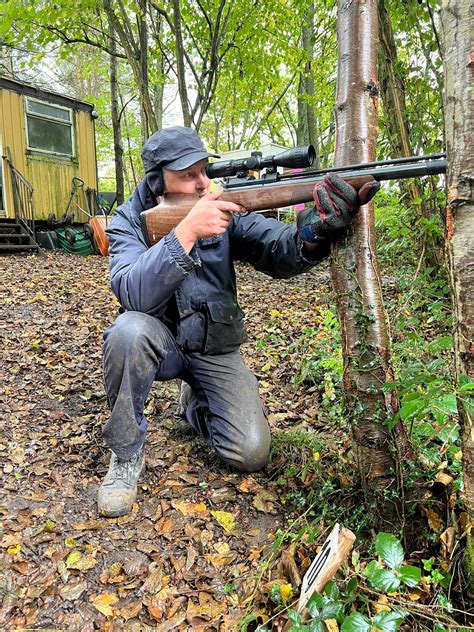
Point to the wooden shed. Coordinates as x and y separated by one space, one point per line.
46 139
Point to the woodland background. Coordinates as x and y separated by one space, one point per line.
243 73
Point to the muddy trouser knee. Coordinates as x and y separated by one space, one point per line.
138 349
225 408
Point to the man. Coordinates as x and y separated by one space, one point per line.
180 317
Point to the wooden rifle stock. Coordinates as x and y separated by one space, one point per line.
262 195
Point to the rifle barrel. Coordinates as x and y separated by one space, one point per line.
405 168
381 163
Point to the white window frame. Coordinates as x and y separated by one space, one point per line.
69 124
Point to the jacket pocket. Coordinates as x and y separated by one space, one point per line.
225 327
191 332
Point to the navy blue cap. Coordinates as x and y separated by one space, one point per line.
173 148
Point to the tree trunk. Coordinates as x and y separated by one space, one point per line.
354 267
392 88
307 132
143 65
137 58
456 17
115 113
180 67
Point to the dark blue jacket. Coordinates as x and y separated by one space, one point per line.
195 295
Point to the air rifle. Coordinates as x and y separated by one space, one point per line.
276 190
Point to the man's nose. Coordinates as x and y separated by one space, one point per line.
202 182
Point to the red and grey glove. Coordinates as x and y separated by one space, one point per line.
336 204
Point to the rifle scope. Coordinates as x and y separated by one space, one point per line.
297 157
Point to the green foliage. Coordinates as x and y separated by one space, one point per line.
338 604
419 66
399 231
391 553
321 363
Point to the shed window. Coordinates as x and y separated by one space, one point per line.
49 128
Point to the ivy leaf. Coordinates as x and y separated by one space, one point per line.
410 575
356 622
388 621
384 579
389 549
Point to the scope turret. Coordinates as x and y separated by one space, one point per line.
298 157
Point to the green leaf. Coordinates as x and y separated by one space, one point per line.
294 616
389 549
351 586
411 408
356 622
316 599
388 621
314 610
441 344
466 383
331 611
370 569
447 404
384 579
331 590
410 575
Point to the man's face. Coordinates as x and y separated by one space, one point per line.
190 180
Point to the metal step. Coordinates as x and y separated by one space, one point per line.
15 235
11 247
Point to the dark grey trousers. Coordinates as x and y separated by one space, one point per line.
225 407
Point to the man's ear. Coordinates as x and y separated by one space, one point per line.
155 181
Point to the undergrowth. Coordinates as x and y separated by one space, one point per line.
387 584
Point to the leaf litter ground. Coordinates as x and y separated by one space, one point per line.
189 555
204 546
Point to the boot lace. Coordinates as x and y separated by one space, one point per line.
123 470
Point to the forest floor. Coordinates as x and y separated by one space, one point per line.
170 562
198 551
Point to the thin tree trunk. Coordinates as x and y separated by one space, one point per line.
307 122
180 67
459 78
392 88
143 64
158 94
354 267
135 56
115 113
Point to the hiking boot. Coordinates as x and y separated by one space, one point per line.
119 488
180 421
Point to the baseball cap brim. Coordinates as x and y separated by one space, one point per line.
186 161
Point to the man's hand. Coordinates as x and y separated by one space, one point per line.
209 217
336 204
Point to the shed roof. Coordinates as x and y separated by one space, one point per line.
31 91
